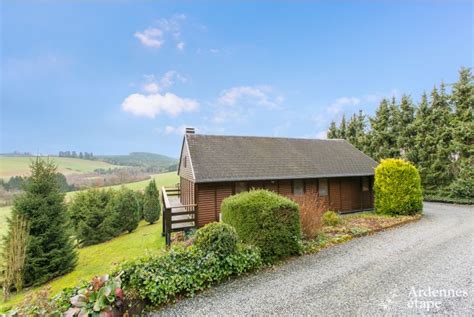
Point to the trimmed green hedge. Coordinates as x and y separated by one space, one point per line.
219 238
184 271
265 219
397 188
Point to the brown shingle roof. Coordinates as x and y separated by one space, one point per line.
231 158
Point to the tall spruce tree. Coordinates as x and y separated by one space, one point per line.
151 205
407 130
50 252
343 127
441 172
333 132
382 137
424 148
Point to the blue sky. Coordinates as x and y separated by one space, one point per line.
115 77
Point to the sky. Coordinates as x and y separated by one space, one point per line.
113 77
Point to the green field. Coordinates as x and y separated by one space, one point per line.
101 258
20 165
4 212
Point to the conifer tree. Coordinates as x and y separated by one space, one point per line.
423 149
407 130
126 209
343 127
332 131
151 205
440 174
50 252
382 137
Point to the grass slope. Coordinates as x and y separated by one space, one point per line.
100 259
20 165
4 213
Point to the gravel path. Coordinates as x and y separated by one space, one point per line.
373 275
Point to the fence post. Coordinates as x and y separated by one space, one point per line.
168 227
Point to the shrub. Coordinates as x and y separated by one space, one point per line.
151 203
90 219
331 218
219 238
266 220
184 271
397 188
126 209
311 211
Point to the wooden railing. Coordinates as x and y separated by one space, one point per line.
176 213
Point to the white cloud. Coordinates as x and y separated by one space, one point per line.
238 103
175 130
155 85
163 28
153 104
152 37
337 106
250 95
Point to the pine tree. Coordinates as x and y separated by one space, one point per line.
407 131
463 123
50 252
424 148
343 128
382 138
440 175
151 205
333 132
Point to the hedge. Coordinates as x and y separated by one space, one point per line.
397 188
266 220
219 238
184 271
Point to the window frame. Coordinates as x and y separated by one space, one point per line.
320 181
301 190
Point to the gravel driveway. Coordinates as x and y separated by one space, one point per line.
379 274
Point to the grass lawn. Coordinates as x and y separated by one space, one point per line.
20 165
101 258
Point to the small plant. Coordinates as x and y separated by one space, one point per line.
331 218
358 231
101 296
37 304
311 211
219 238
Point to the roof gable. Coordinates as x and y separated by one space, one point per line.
231 158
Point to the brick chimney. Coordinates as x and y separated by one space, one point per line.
189 130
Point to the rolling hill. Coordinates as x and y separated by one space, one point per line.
151 161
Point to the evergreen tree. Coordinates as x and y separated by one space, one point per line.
50 252
124 205
333 133
343 128
440 174
91 221
151 205
382 138
424 149
407 129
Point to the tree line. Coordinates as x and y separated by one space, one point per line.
436 135
74 154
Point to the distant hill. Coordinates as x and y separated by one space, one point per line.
150 161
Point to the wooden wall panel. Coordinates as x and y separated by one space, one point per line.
185 169
285 188
334 194
206 200
356 193
272 186
223 191
311 186
346 194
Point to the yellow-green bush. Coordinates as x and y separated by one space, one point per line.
397 188
331 218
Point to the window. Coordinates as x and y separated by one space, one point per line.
185 161
365 184
298 187
240 187
323 187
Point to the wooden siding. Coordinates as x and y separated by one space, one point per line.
187 191
344 194
185 169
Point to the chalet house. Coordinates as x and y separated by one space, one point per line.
213 167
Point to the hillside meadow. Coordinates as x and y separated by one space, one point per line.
101 258
20 165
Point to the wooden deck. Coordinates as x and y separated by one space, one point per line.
176 216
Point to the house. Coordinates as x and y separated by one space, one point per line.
213 167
